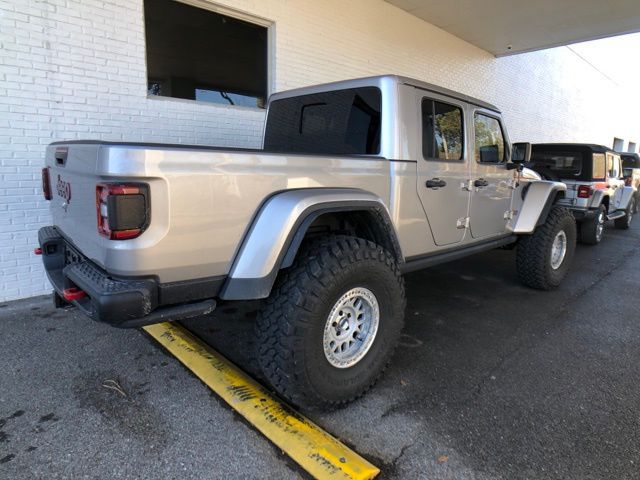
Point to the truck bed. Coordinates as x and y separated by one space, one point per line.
202 199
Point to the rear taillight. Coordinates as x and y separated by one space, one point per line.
584 191
122 210
46 183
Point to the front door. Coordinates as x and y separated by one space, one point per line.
443 168
491 181
615 181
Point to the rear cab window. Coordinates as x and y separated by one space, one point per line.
570 162
489 139
565 164
340 122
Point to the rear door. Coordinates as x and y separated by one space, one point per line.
443 167
492 183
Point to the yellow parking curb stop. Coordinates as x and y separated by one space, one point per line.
319 453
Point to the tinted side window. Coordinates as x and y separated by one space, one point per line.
489 146
427 128
564 163
442 134
338 122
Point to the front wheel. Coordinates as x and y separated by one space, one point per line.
331 324
592 230
623 223
543 258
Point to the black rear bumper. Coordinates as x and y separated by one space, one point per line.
121 302
584 214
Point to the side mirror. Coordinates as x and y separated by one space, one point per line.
521 152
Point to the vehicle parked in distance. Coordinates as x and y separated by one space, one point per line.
596 190
357 183
631 174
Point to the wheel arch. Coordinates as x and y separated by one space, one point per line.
362 219
284 220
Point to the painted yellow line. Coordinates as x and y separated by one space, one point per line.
320 454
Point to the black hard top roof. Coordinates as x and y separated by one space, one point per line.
585 146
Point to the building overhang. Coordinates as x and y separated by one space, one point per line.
505 27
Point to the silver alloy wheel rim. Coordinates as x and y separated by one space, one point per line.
558 249
600 226
351 327
629 217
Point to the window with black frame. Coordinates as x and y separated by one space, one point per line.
198 54
564 164
442 131
490 145
346 122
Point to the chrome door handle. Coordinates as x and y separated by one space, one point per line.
436 183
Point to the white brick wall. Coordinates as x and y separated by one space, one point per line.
72 69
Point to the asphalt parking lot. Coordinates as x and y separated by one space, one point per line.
491 381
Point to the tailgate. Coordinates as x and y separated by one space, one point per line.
73 179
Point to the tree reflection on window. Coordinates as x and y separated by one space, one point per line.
489 139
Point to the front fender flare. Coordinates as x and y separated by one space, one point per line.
626 198
278 229
540 197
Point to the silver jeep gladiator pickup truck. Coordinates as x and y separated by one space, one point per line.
357 183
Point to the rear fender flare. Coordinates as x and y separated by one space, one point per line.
278 229
597 199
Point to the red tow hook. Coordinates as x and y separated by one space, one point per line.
37 251
73 293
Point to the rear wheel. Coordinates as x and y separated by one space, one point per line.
592 230
331 324
543 258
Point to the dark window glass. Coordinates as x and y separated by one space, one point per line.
441 131
201 55
338 122
630 161
489 139
563 164
427 128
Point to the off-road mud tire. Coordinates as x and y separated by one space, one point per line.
292 322
533 257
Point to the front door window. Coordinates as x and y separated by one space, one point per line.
489 139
